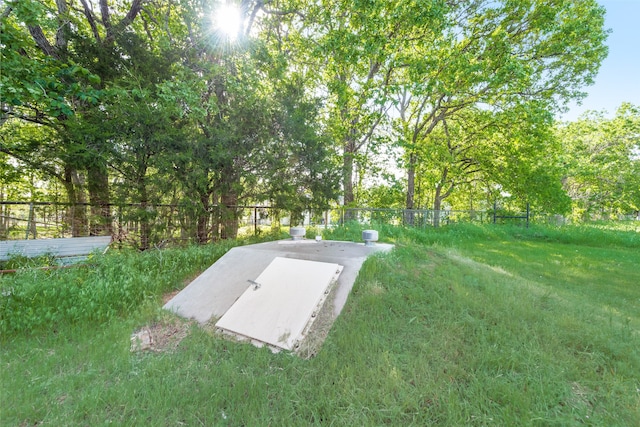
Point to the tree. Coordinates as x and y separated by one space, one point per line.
512 151
494 57
602 163
248 121
304 173
59 59
359 46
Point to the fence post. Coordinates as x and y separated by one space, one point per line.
31 226
528 215
495 208
255 220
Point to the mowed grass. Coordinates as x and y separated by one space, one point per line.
465 325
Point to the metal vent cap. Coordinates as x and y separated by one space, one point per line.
369 237
297 233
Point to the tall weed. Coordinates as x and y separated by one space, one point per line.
110 285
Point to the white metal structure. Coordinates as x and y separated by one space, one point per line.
279 306
65 247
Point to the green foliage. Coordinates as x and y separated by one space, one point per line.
152 106
106 287
304 173
475 103
38 87
601 163
383 196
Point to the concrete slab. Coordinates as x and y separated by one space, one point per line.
285 298
212 293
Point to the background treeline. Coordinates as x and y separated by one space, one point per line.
305 105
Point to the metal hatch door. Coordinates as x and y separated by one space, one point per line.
281 302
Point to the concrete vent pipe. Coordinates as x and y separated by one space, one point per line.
297 233
369 237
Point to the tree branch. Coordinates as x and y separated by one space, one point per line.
283 12
27 159
106 19
448 192
145 24
36 118
63 21
136 7
42 42
6 12
88 13
259 5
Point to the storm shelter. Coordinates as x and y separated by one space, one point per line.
274 290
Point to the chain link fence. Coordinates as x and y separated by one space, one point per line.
182 223
153 225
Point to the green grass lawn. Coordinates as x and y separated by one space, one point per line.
464 325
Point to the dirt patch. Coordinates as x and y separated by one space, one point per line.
580 396
160 336
169 296
319 329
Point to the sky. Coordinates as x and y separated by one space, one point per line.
618 80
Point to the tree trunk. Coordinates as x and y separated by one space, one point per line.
437 204
437 199
229 213
145 226
440 196
202 231
411 186
214 229
275 220
347 181
347 177
472 214
98 186
3 216
76 214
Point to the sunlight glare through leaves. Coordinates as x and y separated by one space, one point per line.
227 20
